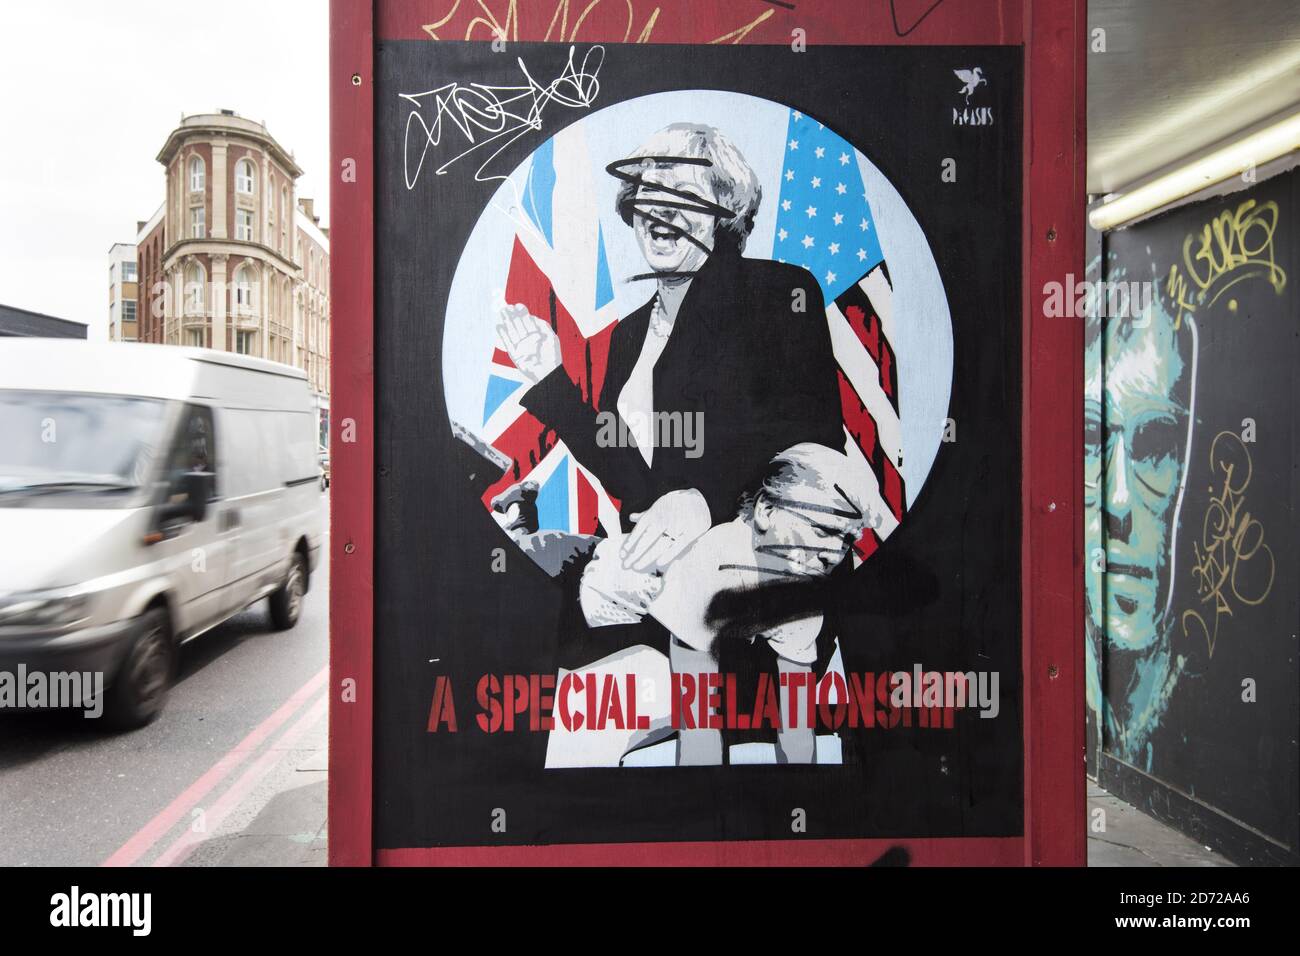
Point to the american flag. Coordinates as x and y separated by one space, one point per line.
824 223
559 270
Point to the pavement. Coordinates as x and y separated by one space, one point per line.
1128 837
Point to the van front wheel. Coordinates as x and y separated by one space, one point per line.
286 603
140 688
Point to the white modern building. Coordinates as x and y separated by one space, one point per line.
123 297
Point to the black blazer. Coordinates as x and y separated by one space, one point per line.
761 374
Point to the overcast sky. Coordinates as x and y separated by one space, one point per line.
91 90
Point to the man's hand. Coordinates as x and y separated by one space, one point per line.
515 509
611 594
531 343
664 530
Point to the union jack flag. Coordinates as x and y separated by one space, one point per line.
559 270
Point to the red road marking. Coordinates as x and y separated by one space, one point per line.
157 828
187 841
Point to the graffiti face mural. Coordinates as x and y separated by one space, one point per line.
1147 394
1137 417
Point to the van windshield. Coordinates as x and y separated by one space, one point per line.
54 443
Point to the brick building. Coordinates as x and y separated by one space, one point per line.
234 259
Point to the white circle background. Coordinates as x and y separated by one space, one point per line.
922 336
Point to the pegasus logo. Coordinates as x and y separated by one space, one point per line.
972 79
971 116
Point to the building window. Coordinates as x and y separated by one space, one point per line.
128 310
243 225
196 174
198 222
243 292
195 338
244 342
194 290
128 272
244 181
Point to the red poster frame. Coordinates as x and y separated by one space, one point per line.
1053 34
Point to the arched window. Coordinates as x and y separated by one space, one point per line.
245 178
284 220
244 291
196 174
194 291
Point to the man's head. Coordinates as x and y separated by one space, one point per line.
1137 438
808 511
685 190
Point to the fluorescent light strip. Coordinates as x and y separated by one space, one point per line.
1255 150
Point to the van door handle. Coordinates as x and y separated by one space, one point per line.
229 519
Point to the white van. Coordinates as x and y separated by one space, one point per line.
147 493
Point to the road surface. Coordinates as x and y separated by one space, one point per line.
232 771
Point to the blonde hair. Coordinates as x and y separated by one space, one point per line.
734 183
825 471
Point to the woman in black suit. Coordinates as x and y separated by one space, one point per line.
732 353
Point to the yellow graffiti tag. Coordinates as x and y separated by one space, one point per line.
1231 558
509 30
1234 246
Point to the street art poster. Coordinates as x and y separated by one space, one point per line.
1190 490
698 469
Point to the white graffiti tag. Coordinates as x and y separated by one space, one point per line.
490 118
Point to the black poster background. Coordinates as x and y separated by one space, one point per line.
1241 759
944 590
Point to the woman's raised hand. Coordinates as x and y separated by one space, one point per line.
531 343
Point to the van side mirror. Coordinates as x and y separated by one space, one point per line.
194 488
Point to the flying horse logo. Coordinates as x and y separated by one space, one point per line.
972 79
968 115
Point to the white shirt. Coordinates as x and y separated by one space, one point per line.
635 403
